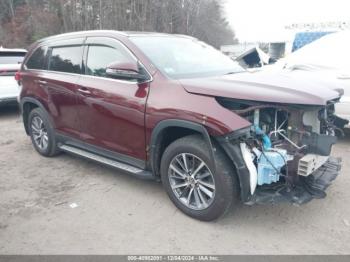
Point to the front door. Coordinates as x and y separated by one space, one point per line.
111 111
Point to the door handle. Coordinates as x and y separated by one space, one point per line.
84 90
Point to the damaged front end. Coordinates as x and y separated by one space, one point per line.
285 155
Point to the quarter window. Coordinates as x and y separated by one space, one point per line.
99 57
37 60
66 59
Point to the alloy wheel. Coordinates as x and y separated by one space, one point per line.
39 133
191 181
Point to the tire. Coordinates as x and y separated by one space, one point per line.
222 183
42 133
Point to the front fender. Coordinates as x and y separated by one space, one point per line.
162 126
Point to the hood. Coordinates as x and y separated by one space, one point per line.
272 87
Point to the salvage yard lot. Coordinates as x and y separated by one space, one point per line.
118 214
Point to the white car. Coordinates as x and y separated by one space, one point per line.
10 63
326 59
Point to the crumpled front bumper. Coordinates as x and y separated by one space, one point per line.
308 188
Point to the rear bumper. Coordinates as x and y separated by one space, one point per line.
308 188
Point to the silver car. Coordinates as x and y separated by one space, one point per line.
10 63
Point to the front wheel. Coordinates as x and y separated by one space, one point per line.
194 185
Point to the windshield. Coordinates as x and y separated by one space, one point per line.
180 57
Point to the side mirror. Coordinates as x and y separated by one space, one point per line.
127 71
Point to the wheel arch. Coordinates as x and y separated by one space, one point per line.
27 104
170 130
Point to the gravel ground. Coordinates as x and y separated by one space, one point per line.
118 214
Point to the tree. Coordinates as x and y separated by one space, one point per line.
25 21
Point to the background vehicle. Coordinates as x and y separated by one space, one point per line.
328 59
173 108
10 63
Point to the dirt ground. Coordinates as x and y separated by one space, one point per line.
115 213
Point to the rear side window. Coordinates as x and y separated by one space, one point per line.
99 57
66 59
37 59
11 57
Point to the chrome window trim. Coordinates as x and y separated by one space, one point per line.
116 80
90 76
51 71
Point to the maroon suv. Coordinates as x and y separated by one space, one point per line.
171 108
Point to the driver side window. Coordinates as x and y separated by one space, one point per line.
100 56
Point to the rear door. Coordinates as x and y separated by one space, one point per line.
111 111
60 83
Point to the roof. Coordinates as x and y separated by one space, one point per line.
139 33
12 50
121 33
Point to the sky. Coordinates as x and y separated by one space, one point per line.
259 20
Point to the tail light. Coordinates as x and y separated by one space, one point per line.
18 76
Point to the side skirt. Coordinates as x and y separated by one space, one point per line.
92 153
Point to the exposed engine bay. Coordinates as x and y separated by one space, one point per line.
287 146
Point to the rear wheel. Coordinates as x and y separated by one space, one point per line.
195 186
41 133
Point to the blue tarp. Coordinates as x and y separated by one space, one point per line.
305 38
